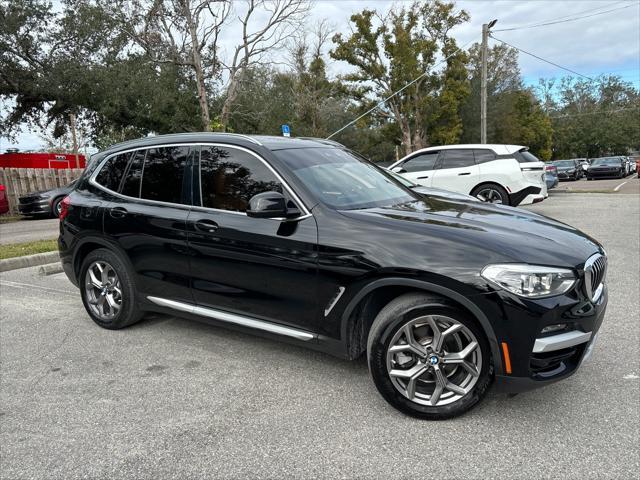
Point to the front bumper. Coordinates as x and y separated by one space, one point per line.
37 206
605 173
566 175
527 196
537 359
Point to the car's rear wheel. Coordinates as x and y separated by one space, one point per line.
491 193
427 358
108 290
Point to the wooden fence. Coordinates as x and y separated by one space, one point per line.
19 181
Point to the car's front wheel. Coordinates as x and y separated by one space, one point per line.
491 193
108 290
56 207
428 358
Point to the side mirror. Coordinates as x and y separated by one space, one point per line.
398 169
270 205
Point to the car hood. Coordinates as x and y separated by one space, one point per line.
505 233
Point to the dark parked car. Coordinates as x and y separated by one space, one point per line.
551 176
304 241
606 167
568 169
45 203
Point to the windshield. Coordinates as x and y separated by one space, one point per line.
564 163
343 181
607 161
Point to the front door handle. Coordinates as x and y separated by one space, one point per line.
420 178
464 173
207 226
118 212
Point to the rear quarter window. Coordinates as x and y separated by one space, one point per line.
111 173
524 156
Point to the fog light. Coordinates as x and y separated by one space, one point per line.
554 328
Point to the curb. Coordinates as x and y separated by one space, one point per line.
50 269
28 261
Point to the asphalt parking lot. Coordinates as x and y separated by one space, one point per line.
170 398
28 230
627 185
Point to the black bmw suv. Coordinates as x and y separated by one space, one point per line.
304 241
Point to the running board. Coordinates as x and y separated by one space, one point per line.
233 318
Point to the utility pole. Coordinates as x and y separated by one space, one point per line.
483 81
72 121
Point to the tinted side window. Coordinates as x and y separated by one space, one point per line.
230 177
111 173
524 156
163 174
421 162
457 158
483 156
131 183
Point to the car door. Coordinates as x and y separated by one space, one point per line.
457 171
147 219
258 267
419 168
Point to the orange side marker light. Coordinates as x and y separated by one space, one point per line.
507 358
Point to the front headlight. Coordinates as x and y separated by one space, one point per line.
530 281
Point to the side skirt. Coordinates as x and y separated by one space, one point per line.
233 318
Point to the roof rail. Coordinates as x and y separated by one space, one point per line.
322 140
251 139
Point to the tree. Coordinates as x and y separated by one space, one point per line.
282 20
71 61
388 52
181 32
593 117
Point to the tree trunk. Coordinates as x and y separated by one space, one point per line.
232 95
406 135
197 66
418 138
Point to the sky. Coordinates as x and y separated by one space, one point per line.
601 44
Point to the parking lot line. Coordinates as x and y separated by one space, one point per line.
619 186
35 288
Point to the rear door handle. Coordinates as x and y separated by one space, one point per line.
464 173
207 226
426 176
118 212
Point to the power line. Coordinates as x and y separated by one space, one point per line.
542 59
382 102
554 22
595 112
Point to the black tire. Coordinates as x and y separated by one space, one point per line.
389 321
55 206
129 313
495 187
589 179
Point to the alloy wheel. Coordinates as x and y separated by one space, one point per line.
103 290
434 360
490 195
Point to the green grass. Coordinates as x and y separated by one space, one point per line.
10 218
27 248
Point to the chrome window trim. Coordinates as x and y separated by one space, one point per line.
296 199
233 318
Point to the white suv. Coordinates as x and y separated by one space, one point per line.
506 174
